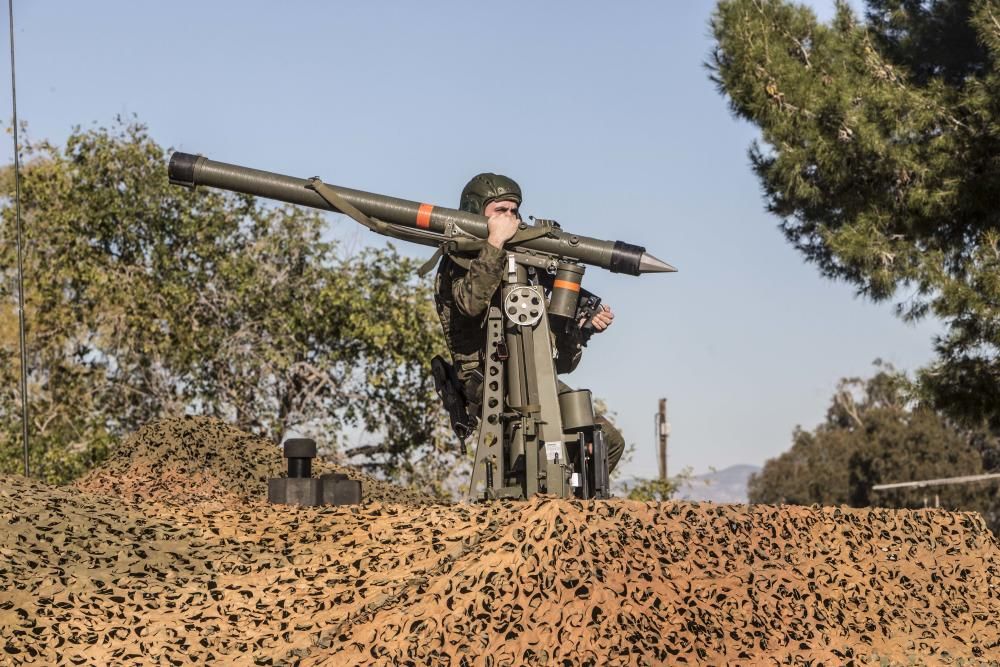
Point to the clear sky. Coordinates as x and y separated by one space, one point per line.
603 111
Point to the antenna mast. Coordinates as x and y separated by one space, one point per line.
20 249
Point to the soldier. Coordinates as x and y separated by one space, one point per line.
464 290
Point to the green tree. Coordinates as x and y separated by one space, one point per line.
657 489
878 152
876 433
146 300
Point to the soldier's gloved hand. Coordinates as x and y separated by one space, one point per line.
602 320
501 226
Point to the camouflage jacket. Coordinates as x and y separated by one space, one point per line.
462 298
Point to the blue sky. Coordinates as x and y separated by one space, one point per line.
602 111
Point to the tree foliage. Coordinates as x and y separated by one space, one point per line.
876 433
145 300
657 489
879 154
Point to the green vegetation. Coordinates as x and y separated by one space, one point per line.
879 144
876 433
657 489
878 152
147 300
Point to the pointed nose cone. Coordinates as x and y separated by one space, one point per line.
649 264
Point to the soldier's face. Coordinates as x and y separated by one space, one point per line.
501 207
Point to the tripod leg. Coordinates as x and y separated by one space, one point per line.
602 485
489 448
583 472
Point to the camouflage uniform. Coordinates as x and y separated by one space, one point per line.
462 297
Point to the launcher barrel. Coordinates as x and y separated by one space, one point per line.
616 256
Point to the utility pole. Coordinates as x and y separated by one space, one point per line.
662 433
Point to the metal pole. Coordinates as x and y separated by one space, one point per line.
943 481
20 254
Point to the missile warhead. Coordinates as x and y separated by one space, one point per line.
650 264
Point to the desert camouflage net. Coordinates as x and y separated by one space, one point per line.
100 579
198 459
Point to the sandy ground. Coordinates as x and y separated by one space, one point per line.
168 555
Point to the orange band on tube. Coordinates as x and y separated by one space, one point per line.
565 284
424 216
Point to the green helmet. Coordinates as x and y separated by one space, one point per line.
487 187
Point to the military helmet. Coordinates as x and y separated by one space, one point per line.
487 187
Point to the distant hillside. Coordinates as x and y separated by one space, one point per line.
728 485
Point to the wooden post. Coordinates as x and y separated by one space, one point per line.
663 431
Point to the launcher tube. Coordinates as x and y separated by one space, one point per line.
192 170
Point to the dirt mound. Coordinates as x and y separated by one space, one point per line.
88 579
201 459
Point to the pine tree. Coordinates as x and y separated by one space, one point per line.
880 153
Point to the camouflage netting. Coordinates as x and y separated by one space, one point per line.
200 459
105 579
